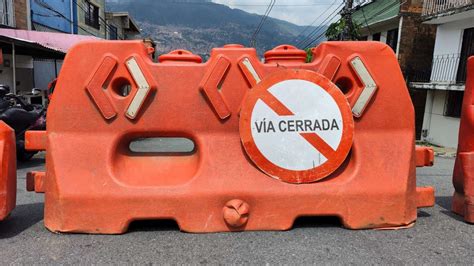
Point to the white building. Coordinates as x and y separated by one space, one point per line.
445 82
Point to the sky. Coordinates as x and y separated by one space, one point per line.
300 12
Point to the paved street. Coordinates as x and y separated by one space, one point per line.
438 237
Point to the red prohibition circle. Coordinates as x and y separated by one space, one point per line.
335 156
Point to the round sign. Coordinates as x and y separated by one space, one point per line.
296 126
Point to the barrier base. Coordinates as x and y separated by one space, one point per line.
461 207
463 199
7 170
205 214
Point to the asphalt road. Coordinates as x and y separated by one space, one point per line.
438 237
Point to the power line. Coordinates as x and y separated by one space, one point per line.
106 25
382 12
314 21
315 40
323 32
254 4
387 9
366 22
317 30
58 14
346 16
253 39
283 5
318 38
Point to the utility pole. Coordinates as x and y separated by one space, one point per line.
347 17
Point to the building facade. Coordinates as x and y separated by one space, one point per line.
14 14
52 16
91 18
444 82
84 17
379 21
398 23
121 26
24 69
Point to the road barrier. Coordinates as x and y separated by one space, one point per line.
424 156
7 171
272 141
463 175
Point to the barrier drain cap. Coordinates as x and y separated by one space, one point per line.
296 126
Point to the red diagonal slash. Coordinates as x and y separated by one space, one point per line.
312 138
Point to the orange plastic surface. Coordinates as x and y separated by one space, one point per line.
285 54
7 171
95 184
424 156
35 140
35 181
463 175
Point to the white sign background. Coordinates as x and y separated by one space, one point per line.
289 150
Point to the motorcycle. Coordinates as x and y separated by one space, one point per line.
21 116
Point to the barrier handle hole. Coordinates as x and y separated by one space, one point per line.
317 221
163 145
153 225
121 87
345 84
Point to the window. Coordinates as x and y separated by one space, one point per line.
453 103
7 16
376 37
113 34
392 39
467 50
91 12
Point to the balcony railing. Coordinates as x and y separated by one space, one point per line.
446 69
433 7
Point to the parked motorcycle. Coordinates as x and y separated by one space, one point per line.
21 116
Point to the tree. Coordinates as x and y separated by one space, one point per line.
309 55
335 30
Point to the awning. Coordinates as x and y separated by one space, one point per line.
40 44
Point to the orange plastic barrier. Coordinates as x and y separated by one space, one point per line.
255 127
424 156
7 171
463 176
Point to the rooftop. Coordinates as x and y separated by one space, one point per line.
37 43
131 24
376 12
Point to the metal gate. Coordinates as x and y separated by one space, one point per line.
45 70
